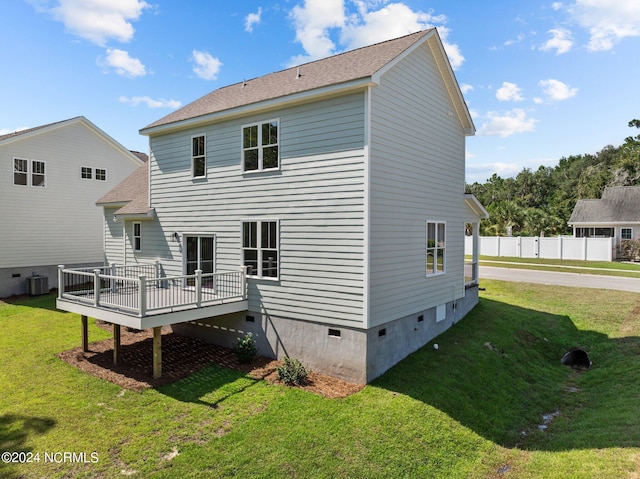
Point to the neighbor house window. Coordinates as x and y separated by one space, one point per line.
260 248
435 247
86 173
101 174
20 172
37 173
595 232
198 157
137 236
260 146
626 233
25 169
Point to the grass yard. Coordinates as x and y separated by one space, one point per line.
465 410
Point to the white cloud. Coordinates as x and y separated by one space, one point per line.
371 22
555 90
466 88
95 20
560 41
509 92
252 19
123 64
507 124
312 23
206 66
608 21
150 102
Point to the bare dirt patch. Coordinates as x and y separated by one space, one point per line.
181 356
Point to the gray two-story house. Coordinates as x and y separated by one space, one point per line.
321 208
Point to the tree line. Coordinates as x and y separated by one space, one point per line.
540 202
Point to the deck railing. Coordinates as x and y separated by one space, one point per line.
131 292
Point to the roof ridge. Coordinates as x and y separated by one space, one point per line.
15 133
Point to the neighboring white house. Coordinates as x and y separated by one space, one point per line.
51 178
615 215
338 184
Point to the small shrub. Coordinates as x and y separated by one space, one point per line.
246 349
292 372
631 250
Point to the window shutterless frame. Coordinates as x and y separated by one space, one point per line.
436 246
261 248
137 236
28 172
260 146
199 156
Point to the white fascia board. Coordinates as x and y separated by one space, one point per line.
280 102
473 203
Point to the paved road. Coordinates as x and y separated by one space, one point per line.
580 280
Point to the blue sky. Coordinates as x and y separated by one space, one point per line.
542 79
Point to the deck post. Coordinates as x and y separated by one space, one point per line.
60 280
198 288
96 287
157 352
142 295
85 334
116 343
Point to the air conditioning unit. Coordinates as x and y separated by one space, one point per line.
37 285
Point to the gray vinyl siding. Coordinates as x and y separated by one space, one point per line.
113 243
317 196
417 175
59 223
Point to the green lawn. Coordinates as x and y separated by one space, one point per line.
461 411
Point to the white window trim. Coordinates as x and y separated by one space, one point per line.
259 124
104 171
137 237
626 228
89 170
436 248
193 158
259 248
29 172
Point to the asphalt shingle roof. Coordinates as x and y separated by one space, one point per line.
345 67
133 190
618 204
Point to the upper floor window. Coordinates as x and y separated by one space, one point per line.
198 157
435 247
86 172
260 248
260 146
137 236
101 174
28 172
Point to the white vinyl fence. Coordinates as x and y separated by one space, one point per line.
558 247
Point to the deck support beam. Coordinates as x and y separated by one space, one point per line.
157 352
116 344
85 334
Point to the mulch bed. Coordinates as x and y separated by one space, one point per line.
181 356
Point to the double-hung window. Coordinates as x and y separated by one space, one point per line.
137 236
260 149
28 172
20 172
260 248
626 233
198 157
435 247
